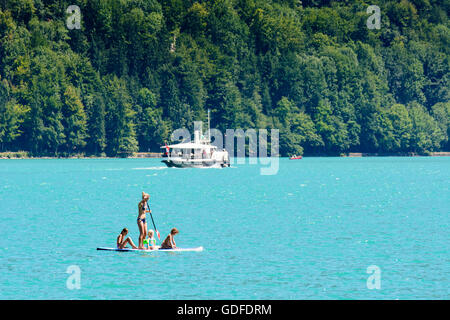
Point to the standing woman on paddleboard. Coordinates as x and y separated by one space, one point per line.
141 221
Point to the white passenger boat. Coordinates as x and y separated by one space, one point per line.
198 154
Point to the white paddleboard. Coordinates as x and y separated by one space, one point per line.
156 250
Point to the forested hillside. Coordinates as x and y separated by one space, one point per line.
138 69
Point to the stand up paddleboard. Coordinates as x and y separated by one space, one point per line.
156 250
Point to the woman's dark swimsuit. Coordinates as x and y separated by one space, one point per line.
143 208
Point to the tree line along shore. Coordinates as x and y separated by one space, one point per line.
140 155
135 70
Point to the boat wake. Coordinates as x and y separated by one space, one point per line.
151 168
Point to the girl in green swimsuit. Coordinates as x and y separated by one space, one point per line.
150 242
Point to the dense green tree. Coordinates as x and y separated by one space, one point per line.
441 112
95 112
138 69
21 10
152 130
400 128
120 117
74 120
426 134
12 115
331 127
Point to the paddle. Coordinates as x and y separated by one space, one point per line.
157 232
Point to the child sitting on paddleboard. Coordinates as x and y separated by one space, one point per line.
150 241
169 242
122 242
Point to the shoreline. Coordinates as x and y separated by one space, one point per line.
154 155
408 154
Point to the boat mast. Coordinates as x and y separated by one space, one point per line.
209 129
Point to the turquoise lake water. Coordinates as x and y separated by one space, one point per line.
308 232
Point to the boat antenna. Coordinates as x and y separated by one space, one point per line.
209 128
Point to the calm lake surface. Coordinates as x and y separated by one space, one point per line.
308 232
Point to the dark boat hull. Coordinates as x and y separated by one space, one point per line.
207 163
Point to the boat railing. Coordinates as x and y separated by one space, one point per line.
186 155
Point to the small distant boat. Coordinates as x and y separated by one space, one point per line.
294 157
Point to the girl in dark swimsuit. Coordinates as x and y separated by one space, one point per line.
141 221
169 242
122 242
